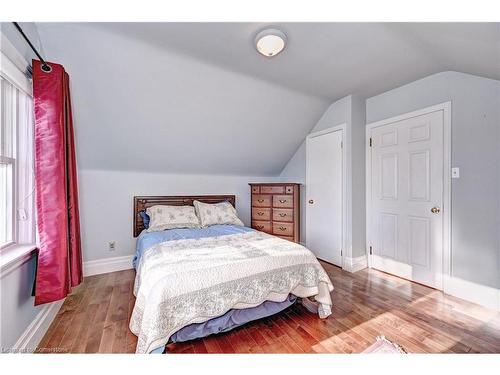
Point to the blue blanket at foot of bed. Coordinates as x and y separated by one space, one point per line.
228 321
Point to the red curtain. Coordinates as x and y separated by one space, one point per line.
59 255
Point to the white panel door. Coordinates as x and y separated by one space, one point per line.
406 228
324 182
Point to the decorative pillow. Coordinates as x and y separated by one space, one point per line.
218 213
145 218
170 217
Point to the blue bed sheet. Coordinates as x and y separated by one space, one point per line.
148 239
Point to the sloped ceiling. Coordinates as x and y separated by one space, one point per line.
197 98
332 60
139 106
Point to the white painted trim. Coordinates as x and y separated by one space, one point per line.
355 264
446 108
405 116
14 256
13 53
33 334
346 195
482 295
14 65
446 191
99 266
327 131
368 193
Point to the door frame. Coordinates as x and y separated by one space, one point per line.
446 210
345 191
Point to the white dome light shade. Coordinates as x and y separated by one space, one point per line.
270 42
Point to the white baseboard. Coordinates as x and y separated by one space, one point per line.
34 333
482 295
96 267
354 264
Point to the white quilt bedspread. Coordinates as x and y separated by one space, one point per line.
191 281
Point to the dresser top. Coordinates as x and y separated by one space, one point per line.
273 183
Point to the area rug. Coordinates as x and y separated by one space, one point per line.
382 346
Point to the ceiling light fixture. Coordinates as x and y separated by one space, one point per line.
270 42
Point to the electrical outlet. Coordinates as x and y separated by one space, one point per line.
112 245
23 216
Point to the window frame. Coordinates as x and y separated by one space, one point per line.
13 188
10 71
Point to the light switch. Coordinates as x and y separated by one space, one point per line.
455 172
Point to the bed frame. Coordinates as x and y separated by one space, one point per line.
141 203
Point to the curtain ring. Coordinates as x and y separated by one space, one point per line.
46 68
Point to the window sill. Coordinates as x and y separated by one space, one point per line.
14 256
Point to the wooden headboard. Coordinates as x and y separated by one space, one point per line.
141 203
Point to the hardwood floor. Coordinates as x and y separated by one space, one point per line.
94 319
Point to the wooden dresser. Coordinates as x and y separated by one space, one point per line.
275 209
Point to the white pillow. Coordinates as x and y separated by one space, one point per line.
218 213
170 217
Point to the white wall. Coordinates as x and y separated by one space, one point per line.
17 309
476 150
349 110
106 203
295 171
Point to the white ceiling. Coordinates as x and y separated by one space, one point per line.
331 60
198 98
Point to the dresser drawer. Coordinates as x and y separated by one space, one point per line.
286 238
261 213
283 229
255 189
264 226
261 200
282 201
288 189
272 189
282 214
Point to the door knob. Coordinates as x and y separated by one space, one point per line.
435 210
311 201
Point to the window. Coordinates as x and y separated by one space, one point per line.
7 161
16 164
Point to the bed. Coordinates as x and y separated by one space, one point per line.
191 283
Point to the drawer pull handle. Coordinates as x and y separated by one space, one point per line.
260 200
282 200
260 213
259 226
282 215
282 228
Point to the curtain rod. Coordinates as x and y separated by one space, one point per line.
45 67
